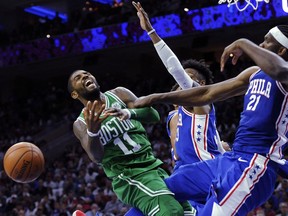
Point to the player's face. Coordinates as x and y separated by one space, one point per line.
270 43
85 85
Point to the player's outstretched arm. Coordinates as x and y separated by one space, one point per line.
201 95
144 115
167 56
271 63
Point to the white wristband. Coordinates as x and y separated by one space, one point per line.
90 134
128 112
151 31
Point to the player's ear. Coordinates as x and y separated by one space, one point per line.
202 82
74 94
282 51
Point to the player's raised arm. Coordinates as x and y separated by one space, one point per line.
273 64
167 56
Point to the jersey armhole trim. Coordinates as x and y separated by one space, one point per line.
281 88
116 98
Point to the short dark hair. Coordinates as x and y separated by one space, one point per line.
201 67
69 85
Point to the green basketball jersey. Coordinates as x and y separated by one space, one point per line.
127 150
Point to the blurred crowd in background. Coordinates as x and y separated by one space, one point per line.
92 14
71 181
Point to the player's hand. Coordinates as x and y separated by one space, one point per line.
225 145
122 114
232 51
92 113
144 101
143 16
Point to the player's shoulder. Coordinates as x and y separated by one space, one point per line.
119 90
246 74
250 71
79 127
172 113
80 119
124 94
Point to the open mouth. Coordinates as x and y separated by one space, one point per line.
88 83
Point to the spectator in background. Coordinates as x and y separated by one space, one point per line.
283 209
94 211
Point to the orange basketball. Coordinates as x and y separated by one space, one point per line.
23 162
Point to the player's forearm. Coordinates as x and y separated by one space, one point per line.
269 62
198 96
145 115
154 36
190 97
94 148
173 65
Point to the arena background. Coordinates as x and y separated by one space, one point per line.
36 107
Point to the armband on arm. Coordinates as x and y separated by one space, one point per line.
144 115
90 134
173 65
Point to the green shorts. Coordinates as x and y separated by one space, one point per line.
148 192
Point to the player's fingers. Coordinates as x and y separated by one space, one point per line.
102 108
135 5
223 60
98 112
103 118
140 15
87 110
89 105
94 107
235 59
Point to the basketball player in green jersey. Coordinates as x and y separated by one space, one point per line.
110 131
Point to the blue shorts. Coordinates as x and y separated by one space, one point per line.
234 183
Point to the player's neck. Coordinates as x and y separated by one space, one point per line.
100 99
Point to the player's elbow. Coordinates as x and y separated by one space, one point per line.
97 158
151 116
281 74
156 117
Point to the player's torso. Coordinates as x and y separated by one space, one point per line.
197 137
125 142
264 119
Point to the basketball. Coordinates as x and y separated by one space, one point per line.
23 162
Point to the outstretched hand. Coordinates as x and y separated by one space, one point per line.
122 114
92 113
143 16
232 51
